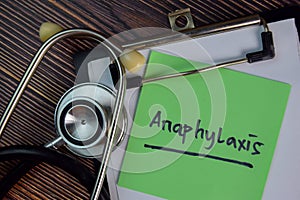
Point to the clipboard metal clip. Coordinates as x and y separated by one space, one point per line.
267 52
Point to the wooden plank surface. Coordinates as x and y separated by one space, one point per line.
32 122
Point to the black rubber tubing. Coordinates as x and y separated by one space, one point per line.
13 176
33 155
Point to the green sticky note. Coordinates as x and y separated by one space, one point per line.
203 136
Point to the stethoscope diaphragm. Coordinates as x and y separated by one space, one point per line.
82 118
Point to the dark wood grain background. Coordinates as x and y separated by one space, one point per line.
32 122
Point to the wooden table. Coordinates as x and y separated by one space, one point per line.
32 122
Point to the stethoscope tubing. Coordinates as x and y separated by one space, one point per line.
31 156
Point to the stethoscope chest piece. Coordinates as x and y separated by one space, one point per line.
83 116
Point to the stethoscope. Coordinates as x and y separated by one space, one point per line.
89 118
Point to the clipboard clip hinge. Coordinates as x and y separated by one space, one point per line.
181 20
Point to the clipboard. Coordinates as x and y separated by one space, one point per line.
259 69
